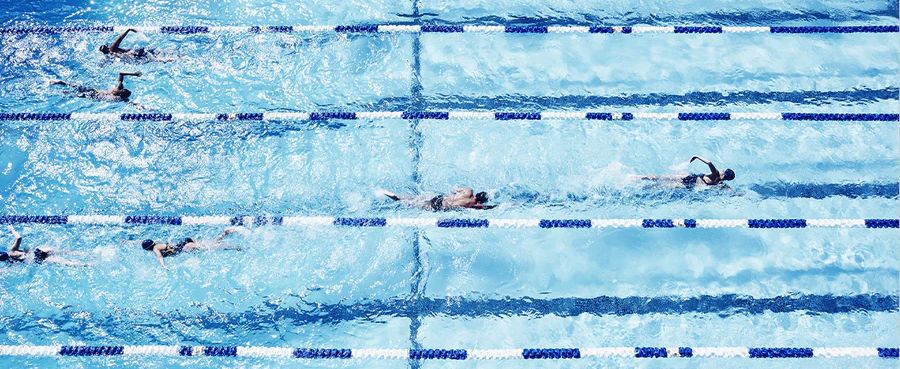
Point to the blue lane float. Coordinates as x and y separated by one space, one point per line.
533 353
91 350
315 353
438 354
453 115
652 352
457 28
781 352
551 353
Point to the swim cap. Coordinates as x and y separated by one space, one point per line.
4 256
147 244
124 93
481 197
729 175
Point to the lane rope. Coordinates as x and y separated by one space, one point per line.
457 354
443 28
451 115
313 221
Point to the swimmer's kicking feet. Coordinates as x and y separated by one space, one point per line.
462 198
115 94
137 54
42 255
691 181
163 250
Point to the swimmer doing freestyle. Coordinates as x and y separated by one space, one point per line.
164 250
692 181
41 255
461 198
138 54
115 94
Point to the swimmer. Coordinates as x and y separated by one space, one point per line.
691 181
461 198
136 54
163 250
15 253
116 94
41 255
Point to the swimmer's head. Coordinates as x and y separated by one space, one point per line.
104 49
729 175
147 244
4 256
124 93
481 197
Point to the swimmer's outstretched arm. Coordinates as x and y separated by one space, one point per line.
712 168
388 194
64 83
115 45
226 232
122 75
660 178
17 238
409 200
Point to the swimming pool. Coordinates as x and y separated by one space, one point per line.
336 268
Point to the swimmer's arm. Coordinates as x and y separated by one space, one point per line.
712 168
663 178
389 195
64 83
225 233
159 257
464 191
484 207
115 45
17 238
122 75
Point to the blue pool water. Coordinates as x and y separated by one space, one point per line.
456 288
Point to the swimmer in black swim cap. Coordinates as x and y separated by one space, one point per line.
115 94
691 181
461 198
140 54
163 250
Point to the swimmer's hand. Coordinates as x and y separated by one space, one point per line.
13 231
699 158
388 194
230 230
